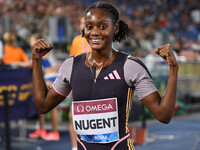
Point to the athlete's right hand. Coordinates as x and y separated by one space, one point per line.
40 48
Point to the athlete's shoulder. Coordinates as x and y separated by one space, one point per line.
130 57
69 58
80 56
66 66
68 61
133 61
121 57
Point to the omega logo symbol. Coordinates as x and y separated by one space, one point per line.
80 108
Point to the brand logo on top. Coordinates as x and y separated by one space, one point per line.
94 107
113 76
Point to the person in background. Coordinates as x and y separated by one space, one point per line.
1 52
49 75
79 43
79 46
13 55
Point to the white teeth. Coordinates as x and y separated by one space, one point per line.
96 40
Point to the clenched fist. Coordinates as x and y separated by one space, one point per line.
167 55
40 48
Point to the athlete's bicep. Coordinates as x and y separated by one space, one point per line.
53 99
152 102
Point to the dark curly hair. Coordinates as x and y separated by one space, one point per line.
123 32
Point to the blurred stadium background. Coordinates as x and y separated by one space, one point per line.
154 23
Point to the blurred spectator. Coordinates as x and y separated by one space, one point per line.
177 47
190 51
79 43
12 54
1 52
195 14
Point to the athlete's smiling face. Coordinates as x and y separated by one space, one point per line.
99 29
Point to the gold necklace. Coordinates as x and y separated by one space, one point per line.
97 74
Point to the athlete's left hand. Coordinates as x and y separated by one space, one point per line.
167 55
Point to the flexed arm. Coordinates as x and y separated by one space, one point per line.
45 99
163 108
